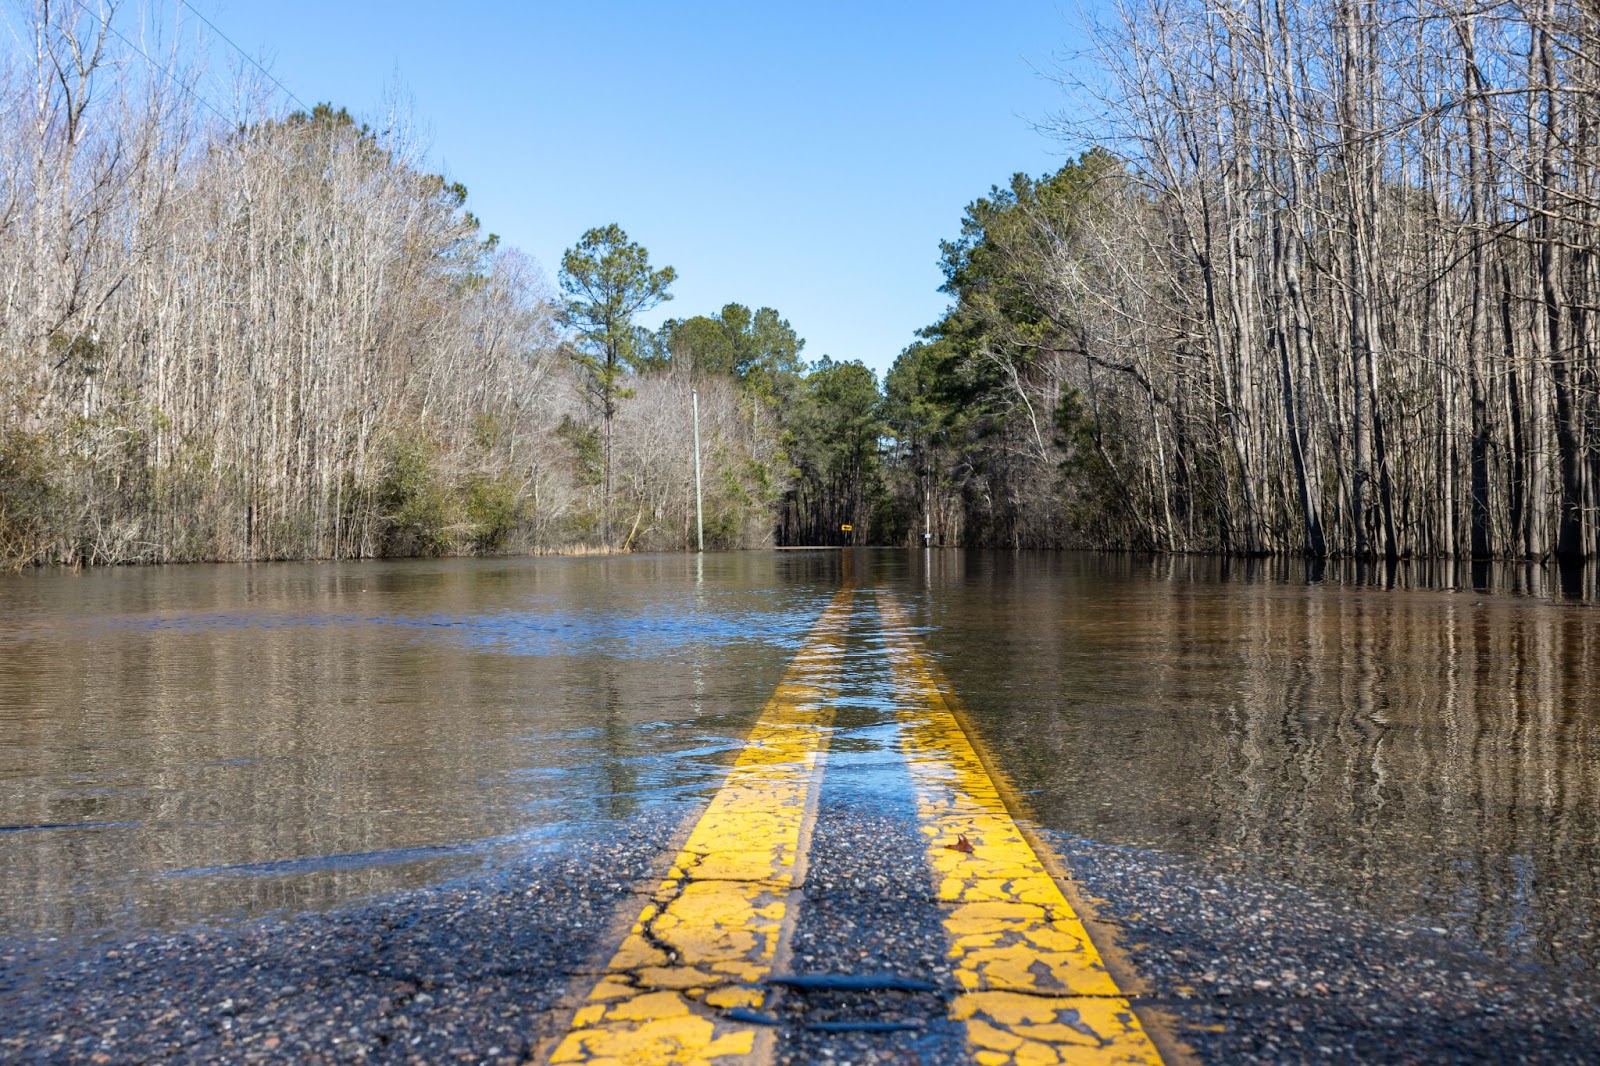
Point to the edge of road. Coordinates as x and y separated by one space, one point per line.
618 926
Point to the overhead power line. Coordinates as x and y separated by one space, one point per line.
119 35
248 57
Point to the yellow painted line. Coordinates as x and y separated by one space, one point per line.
712 930
1033 987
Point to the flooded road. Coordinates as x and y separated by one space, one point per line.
193 743
1431 754
203 744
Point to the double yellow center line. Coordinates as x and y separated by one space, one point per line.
686 981
686 985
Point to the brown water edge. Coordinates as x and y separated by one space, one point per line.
1430 752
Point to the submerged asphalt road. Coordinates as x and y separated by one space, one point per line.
486 970
492 968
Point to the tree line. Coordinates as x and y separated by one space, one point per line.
1330 287
277 336
1327 286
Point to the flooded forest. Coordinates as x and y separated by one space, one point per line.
1320 279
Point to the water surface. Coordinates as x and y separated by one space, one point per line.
1430 752
208 743
191 742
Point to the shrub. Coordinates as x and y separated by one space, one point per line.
414 510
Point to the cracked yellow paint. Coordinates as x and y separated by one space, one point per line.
712 930
1034 989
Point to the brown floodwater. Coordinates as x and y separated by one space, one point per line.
185 743
205 743
1432 752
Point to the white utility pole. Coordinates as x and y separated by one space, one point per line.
699 521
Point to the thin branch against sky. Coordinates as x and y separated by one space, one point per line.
807 158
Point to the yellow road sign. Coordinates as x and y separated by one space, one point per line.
846 528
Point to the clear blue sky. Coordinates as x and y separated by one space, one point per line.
803 156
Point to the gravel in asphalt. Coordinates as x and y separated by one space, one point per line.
475 970
869 911
1267 973
483 968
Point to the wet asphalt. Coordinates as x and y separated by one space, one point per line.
475 970
486 968
1267 973
868 912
